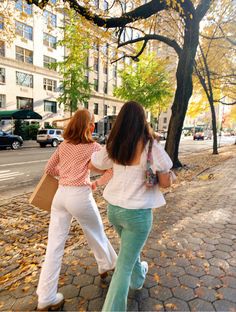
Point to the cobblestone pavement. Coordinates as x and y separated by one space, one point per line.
191 252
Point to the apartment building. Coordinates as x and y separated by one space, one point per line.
26 79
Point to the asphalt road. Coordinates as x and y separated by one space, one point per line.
21 170
188 145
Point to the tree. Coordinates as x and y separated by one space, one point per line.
146 19
198 105
217 78
147 83
75 87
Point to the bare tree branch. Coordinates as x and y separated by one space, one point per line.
169 42
224 103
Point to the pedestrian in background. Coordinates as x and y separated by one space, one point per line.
73 199
130 200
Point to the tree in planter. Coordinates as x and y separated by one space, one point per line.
215 66
146 82
19 127
149 20
75 88
25 130
31 131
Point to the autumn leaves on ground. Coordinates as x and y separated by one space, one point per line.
24 231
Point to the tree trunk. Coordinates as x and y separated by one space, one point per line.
214 129
183 92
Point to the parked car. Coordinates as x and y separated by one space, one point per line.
208 134
10 140
198 136
98 138
49 136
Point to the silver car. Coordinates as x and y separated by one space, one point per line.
49 136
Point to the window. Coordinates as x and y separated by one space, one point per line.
123 5
1 22
96 64
2 75
50 106
105 5
96 45
24 55
49 41
113 110
24 103
23 6
2 100
49 84
129 34
47 61
123 36
24 30
114 85
23 79
105 86
95 108
105 49
105 69
2 48
96 84
96 3
86 105
165 120
114 70
50 19
105 109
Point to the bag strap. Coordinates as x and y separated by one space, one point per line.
149 154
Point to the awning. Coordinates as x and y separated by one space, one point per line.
19 114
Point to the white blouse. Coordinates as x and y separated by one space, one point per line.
127 187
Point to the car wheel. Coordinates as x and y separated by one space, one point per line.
42 145
15 145
55 143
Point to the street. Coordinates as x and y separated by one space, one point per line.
20 170
188 145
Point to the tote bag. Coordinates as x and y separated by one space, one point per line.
44 192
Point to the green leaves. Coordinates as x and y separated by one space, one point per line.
75 86
146 82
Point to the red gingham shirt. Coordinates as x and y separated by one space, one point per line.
70 163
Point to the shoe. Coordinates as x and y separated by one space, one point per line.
105 274
145 265
53 306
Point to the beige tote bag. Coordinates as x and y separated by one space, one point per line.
44 192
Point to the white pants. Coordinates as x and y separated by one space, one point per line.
78 202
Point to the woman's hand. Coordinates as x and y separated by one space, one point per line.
94 185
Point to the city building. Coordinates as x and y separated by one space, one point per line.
27 81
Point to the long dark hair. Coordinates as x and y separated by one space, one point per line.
129 129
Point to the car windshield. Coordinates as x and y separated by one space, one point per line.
42 132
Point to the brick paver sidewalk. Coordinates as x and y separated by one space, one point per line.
191 252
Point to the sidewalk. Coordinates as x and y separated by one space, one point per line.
191 252
30 143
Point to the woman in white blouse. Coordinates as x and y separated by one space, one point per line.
130 200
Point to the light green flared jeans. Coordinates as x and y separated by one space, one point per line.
133 227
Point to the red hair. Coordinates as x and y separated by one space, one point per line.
78 130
